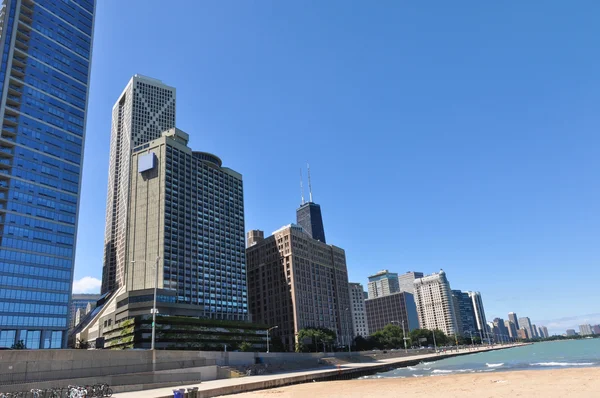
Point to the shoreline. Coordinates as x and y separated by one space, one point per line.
530 383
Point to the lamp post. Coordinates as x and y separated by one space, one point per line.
350 339
268 330
403 335
472 343
154 311
434 344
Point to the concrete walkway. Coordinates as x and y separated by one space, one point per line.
251 383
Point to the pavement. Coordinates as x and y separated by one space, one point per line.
250 383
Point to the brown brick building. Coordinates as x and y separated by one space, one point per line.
296 282
398 307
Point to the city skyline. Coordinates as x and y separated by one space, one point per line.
529 235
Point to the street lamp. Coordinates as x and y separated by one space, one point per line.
350 339
403 335
154 311
434 344
268 330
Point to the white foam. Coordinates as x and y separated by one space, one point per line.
562 364
494 365
417 375
426 368
411 368
442 371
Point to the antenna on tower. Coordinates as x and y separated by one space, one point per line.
301 186
309 186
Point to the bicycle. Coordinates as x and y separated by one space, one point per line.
77 392
35 392
102 390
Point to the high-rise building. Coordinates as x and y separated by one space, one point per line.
534 331
525 323
253 237
513 318
145 109
545 329
522 334
571 332
479 315
357 307
502 330
585 330
465 315
512 329
596 329
44 84
309 216
541 332
407 281
397 308
296 282
435 307
383 283
82 301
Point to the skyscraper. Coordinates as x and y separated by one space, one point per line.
545 329
502 330
308 215
513 318
541 332
296 282
534 331
525 323
44 82
407 281
145 109
585 330
383 283
479 314
435 307
357 308
465 315
571 332
82 301
397 308
512 329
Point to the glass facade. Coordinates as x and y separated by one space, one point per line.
44 80
308 216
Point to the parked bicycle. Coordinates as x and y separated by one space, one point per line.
35 392
77 392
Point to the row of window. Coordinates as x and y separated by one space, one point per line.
43 180
9 306
31 295
71 13
6 254
38 190
42 213
27 245
41 201
34 223
37 321
10 268
33 283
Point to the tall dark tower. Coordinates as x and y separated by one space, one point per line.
308 215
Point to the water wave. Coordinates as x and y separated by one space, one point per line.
411 368
417 375
562 364
494 365
442 371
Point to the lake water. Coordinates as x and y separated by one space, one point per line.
559 354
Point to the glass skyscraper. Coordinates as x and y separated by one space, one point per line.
44 83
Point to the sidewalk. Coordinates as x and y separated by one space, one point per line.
251 383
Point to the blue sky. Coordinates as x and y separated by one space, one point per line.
461 136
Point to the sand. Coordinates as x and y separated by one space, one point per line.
580 382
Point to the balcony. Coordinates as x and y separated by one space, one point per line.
17 71
19 61
10 120
21 44
25 14
15 90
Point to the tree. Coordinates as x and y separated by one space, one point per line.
19 345
361 344
417 334
245 346
82 344
312 339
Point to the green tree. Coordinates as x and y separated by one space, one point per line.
82 344
313 339
19 345
440 337
245 346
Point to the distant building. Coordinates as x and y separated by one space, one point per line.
435 306
534 331
359 313
309 217
254 236
596 329
296 282
479 315
81 302
383 283
465 315
513 318
585 330
366 295
494 331
525 323
545 329
392 308
541 332
502 330
512 329
407 281
571 332
522 334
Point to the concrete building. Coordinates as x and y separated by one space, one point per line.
502 330
534 329
512 329
513 318
522 334
253 237
525 323
571 332
480 318
407 281
545 329
585 330
465 314
44 83
541 332
383 283
435 306
145 109
596 329
186 215
359 313
296 282
397 308
83 302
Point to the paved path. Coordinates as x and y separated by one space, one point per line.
242 384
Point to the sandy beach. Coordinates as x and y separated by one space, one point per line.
535 383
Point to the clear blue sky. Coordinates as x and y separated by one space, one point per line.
462 136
